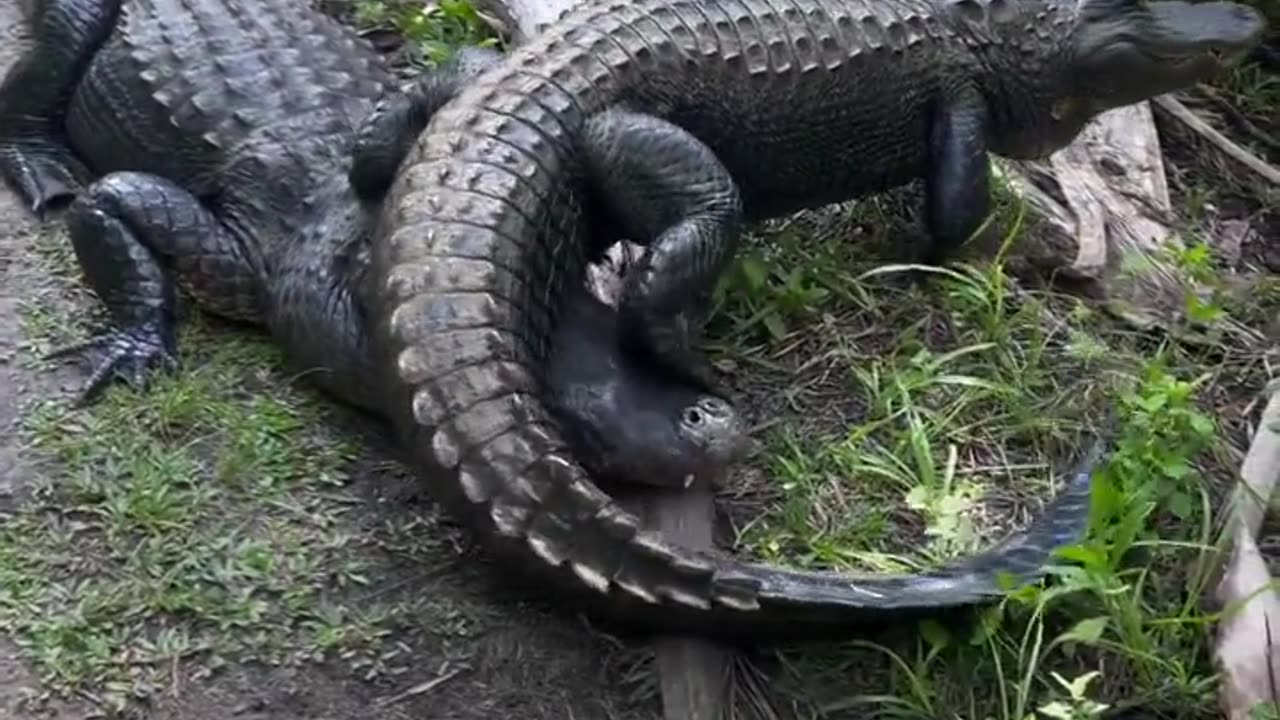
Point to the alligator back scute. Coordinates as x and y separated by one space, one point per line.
185 84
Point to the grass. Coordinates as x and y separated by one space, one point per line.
959 398
200 520
916 426
432 32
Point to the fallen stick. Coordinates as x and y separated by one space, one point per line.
1260 471
693 673
1245 649
1183 114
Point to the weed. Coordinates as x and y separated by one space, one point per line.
959 401
433 32
196 520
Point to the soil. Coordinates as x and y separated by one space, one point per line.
514 658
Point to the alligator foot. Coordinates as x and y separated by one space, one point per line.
135 235
35 161
655 180
957 185
132 354
45 181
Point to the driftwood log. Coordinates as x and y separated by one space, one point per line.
1245 650
1100 214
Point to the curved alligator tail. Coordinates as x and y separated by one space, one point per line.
479 239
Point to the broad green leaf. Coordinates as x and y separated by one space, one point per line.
1087 632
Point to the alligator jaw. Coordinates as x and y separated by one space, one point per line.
1146 49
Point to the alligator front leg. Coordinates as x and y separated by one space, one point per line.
398 119
957 194
134 234
34 156
665 189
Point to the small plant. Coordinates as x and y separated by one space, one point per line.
1078 706
768 295
1265 711
434 32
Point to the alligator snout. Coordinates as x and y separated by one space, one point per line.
1223 28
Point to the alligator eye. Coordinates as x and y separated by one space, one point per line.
692 416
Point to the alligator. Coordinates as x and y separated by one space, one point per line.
671 123
235 150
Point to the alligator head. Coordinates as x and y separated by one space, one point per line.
629 421
1119 52
631 426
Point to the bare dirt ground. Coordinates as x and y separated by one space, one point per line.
469 650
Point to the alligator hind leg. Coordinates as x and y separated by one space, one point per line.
662 187
134 234
957 195
34 156
398 119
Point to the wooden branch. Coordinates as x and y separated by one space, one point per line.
1100 213
692 672
1245 650
522 19
1260 471
1183 114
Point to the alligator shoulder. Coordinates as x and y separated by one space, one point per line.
673 121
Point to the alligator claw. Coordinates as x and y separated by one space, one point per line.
132 355
46 183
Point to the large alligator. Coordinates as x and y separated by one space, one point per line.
240 147
669 122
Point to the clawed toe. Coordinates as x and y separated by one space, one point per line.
132 355
47 183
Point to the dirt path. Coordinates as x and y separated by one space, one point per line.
467 650
17 280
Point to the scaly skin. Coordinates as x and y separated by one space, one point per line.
241 148
670 122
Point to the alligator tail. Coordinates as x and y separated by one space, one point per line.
479 241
